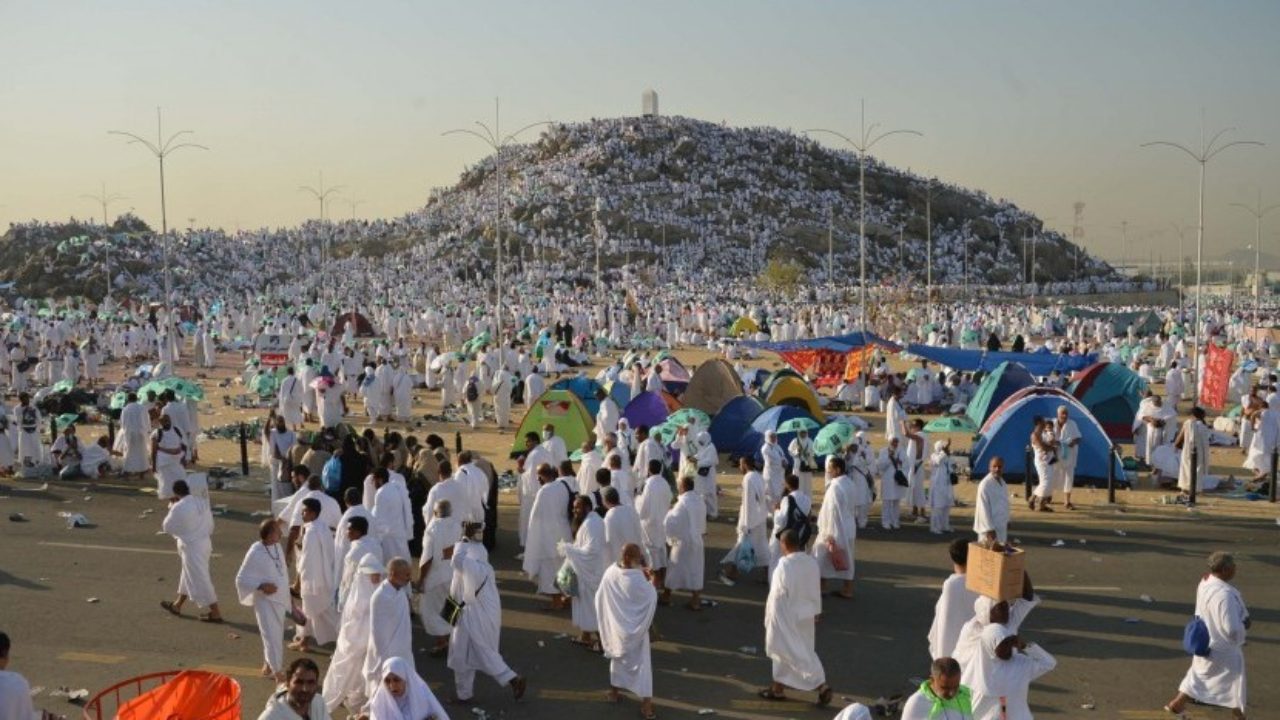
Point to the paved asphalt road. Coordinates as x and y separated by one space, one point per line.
1117 653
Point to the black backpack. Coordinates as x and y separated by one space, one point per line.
798 522
472 392
569 490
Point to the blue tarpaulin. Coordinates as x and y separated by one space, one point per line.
837 343
1037 363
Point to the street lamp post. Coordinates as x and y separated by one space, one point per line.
1257 212
322 196
161 149
493 137
867 140
1208 150
104 200
928 250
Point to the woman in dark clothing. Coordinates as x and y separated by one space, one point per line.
355 465
1019 345
993 343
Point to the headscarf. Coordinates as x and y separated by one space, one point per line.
417 703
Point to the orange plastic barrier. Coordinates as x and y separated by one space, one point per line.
190 695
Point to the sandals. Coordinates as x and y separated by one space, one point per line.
824 695
169 607
769 694
214 619
518 685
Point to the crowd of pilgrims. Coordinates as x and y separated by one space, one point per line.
610 536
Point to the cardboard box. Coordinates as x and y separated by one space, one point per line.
995 573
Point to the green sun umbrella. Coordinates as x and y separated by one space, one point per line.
62 386
119 400
832 438
67 419
264 384
960 423
689 416
797 424
184 388
665 433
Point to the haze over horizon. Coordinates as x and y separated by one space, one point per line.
1040 103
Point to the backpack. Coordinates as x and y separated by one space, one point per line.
472 392
1195 637
797 521
601 510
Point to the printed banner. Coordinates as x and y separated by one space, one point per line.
1217 375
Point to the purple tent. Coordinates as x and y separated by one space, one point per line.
647 408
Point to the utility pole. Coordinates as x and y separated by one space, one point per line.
161 149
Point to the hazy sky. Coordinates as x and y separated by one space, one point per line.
1044 103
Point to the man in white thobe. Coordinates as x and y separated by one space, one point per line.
190 522
131 443
390 630
774 469
344 681
652 505
392 515
289 399
837 528
753 517
1068 436
535 456
625 605
262 583
1218 678
790 620
1194 438
318 580
607 416
954 606
15 691
475 640
168 457
991 514
548 527
685 524
587 557
435 571
621 525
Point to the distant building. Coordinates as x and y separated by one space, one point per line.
649 103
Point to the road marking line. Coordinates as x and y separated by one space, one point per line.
117 548
1064 588
91 658
233 670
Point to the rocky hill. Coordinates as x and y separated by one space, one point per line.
679 190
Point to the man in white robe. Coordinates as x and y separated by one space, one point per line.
753 518
774 469
790 621
625 605
647 450
652 505
607 416
131 442
344 680
475 640
954 606
392 515
535 456
890 465
1194 439
359 543
289 399
15 691
168 457
587 557
621 525
837 529
318 580
435 571
548 527
685 524
1218 678
1068 436
262 583
190 522
390 629
991 513
299 698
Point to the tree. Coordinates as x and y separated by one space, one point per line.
781 275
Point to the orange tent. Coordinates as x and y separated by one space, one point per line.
189 695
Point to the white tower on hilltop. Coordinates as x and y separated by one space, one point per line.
649 103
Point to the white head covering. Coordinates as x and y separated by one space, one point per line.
418 701
856 711
940 446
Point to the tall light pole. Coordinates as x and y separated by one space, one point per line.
831 265
493 137
1257 212
928 250
1182 264
104 199
1208 151
322 194
599 233
353 204
161 148
863 145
